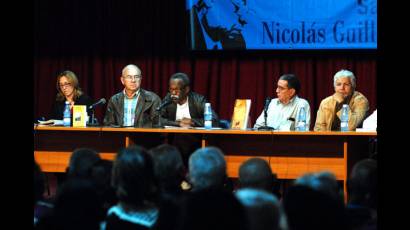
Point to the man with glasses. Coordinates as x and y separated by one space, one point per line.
133 106
186 110
284 110
329 113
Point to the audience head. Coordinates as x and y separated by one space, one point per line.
168 166
81 162
77 206
287 87
262 208
179 87
101 177
256 173
67 86
215 209
322 181
207 168
362 184
307 208
133 176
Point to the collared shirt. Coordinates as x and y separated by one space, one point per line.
183 111
130 105
284 117
146 216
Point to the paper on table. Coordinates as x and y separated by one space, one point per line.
51 122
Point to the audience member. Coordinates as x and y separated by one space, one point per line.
262 208
133 179
212 208
170 172
307 208
362 191
77 206
256 173
207 169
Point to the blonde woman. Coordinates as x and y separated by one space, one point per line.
69 90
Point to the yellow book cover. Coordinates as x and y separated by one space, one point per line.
79 115
240 114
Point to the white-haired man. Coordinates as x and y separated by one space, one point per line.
329 113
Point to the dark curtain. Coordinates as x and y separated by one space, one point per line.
96 39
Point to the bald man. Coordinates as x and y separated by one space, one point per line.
133 106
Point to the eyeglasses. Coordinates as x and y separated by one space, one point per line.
64 85
280 88
174 90
130 77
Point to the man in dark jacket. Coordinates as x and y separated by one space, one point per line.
133 106
186 110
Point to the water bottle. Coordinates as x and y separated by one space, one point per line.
67 114
208 116
301 125
344 118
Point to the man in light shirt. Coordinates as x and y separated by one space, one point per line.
283 111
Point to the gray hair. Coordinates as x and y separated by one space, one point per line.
345 73
130 66
207 168
323 181
263 209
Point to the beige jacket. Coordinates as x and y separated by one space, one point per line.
358 107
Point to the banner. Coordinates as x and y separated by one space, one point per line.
289 24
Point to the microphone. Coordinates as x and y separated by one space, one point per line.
99 102
265 113
267 102
166 102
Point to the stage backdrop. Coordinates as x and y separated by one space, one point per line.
96 39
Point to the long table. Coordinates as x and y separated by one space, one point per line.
290 154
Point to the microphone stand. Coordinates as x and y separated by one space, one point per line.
265 127
159 109
159 117
92 121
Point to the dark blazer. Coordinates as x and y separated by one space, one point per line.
58 106
145 114
196 110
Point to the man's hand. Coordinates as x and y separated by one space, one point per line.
339 97
186 122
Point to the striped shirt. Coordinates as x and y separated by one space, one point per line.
130 104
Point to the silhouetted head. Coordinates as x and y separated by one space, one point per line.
362 183
133 176
207 168
81 162
256 173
